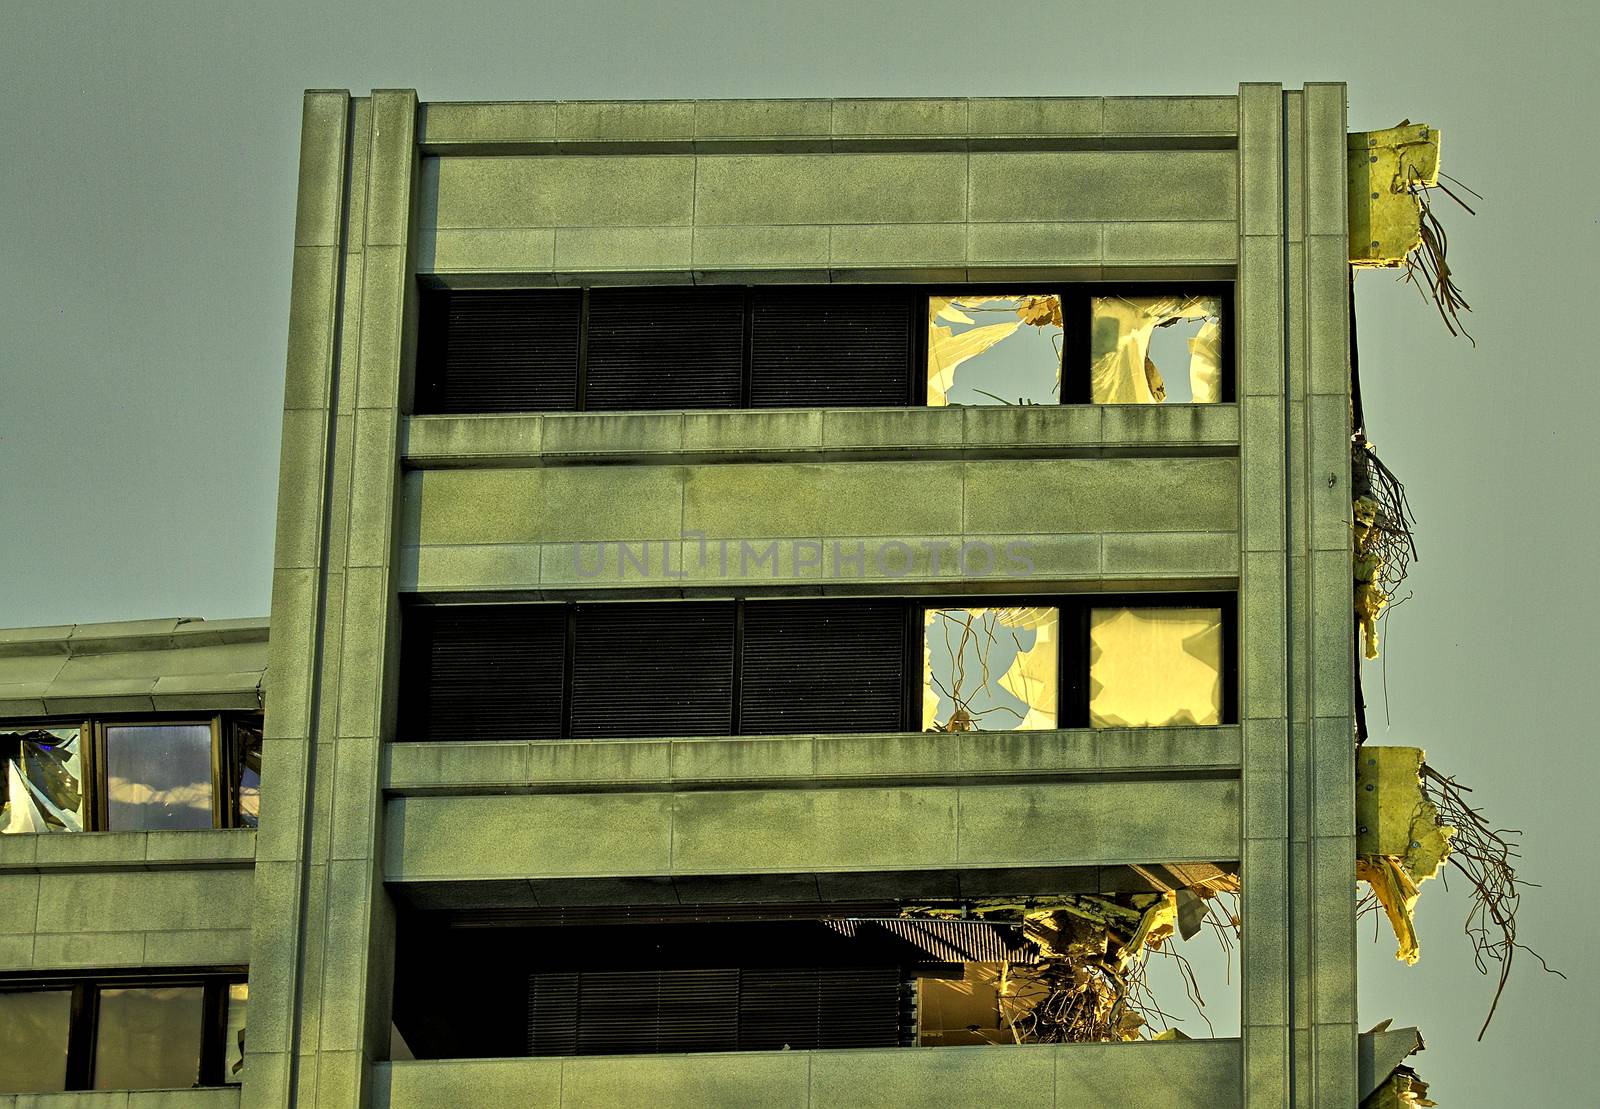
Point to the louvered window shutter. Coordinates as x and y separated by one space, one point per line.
672 347
663 669
482 672
823 666
498 350
820 347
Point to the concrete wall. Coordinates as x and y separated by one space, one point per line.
375 504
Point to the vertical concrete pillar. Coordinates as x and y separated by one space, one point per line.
1261 311
319 987
300 590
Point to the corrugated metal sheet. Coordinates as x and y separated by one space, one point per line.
946 941
653 670
815 347
824 666
670 347
500 350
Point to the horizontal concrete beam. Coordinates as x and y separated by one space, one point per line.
218 847
119 918
573 835
820 435
207 1097
818 125
1204 1074
590 765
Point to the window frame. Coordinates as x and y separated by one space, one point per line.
226 758
1077 309
84 1022
1072 660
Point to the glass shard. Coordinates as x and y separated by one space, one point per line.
1154 349
989 669
41 772
233 1040
1003 349
1150 667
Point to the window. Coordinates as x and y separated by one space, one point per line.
122 1032
726 346
1155 666
989 669
826 666
130 775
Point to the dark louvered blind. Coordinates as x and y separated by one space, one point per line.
483 672
812 348
498 350
719 1009
823 666
674 347
660 669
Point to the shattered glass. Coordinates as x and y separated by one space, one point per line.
247 787
42 789
989 669
1150 667
1140 348
994 349
233 1041
158 776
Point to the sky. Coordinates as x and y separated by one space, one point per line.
146 213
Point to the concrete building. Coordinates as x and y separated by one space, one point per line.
620 538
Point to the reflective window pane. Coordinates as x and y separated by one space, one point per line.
158 776
989 669
41 774
33 1041
994 349
148 1039
1150 667
233 1042
1146 350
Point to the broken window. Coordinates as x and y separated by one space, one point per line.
989 669
1154 349
158 776
36 1025
995 349
121 1031
42 789
1150 667
127 776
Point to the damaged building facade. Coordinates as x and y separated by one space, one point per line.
775 602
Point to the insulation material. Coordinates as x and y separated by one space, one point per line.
1016 341
1400 839
1122 370
42 776
1151 667
989 669
1402 1090
1370 597
1386 168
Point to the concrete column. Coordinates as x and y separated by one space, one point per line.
1261 313
300 591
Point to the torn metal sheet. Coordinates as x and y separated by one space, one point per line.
995 349
1385 170
1124 367
1400 839
42 781
1153 667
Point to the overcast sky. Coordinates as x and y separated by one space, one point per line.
146 212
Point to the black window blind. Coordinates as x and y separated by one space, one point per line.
499 350
825 666
652 669
483 672
828 346
673 347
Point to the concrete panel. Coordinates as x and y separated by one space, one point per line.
1171 115
505 121
880 499
320 189
135 901
520 250
632 120
486 1083
734 1080
860 829
1035 116
1104 822
1018 187
586 250
1119 494
830 189
523 837
616 191
760 248
1041 244
509 506
1209 242
745 119
906 244
953 1076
